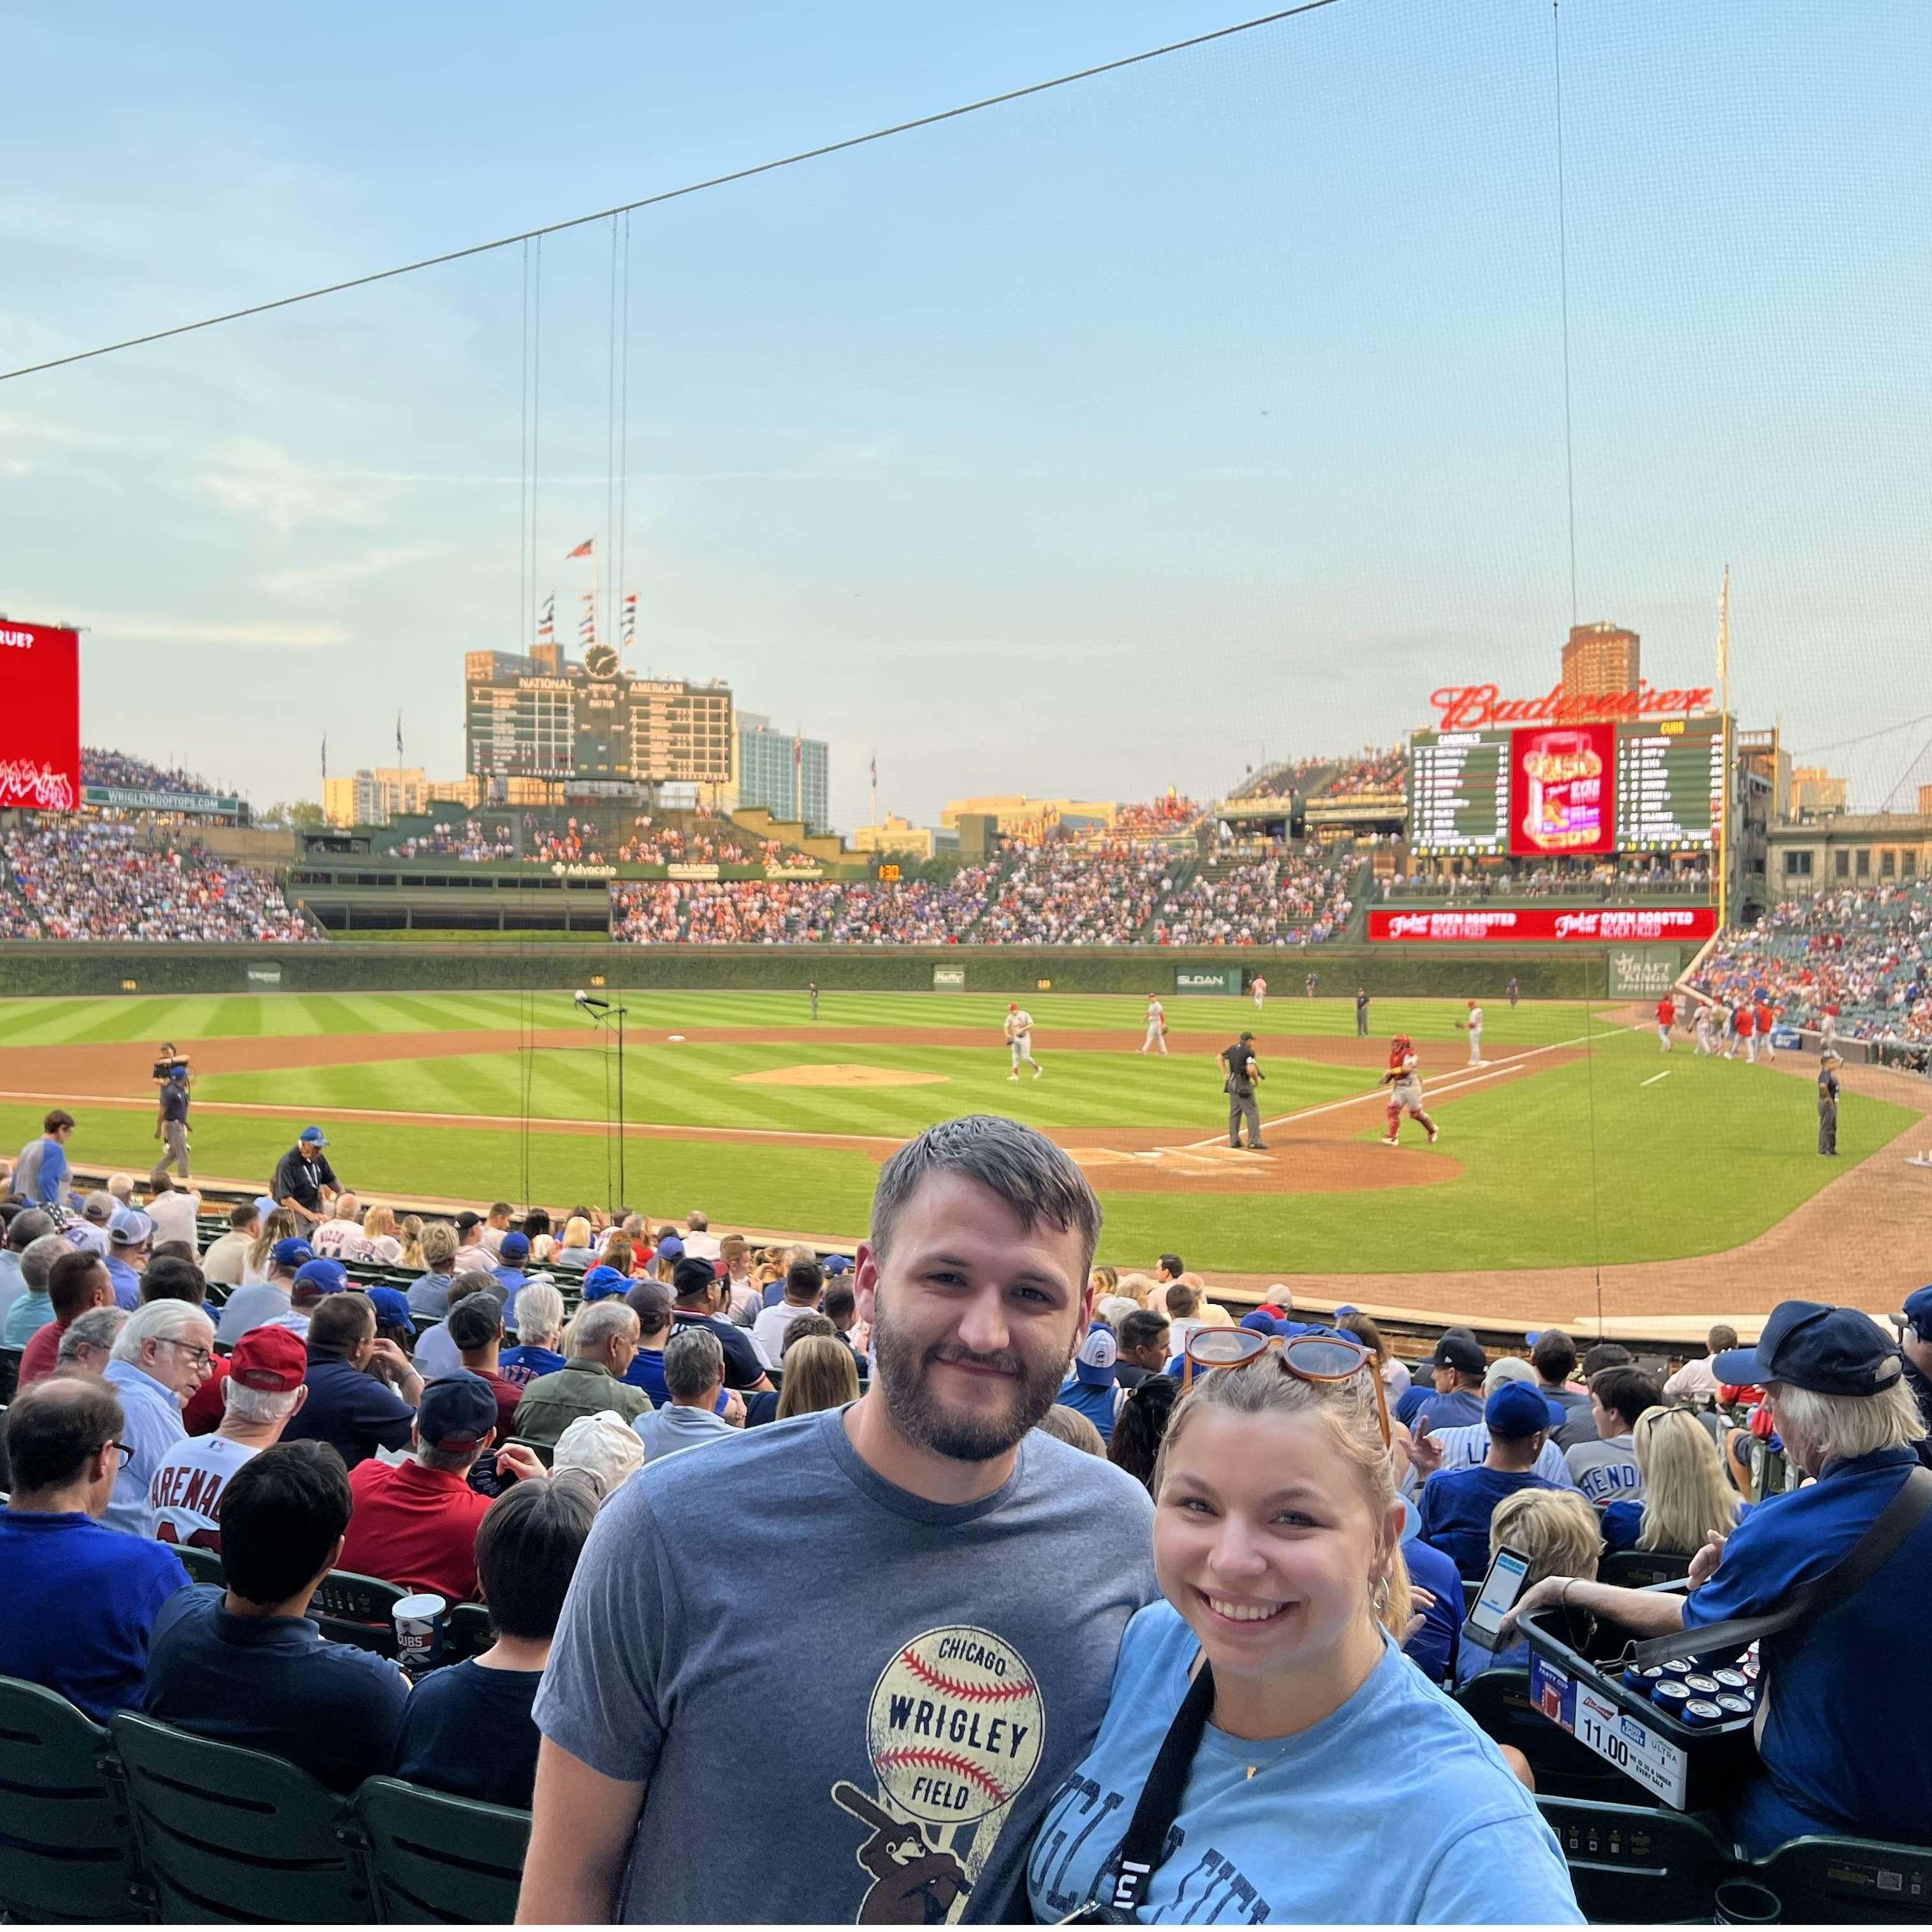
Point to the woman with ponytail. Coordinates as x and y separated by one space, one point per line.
1268 1752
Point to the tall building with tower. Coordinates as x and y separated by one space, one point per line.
788 775
1599 660
590 728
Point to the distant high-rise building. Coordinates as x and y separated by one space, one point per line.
788 775
1816 793
374 798
1599 660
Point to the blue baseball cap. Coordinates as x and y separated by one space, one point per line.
1516 1410
291 1252
837 1264
1917 1313
329 1277
513 1247
603 1281
1811 1345
312 1134
670 1248
1096 1361
130 1229
392 1306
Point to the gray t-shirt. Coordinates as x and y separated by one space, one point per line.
900 1765
252 1307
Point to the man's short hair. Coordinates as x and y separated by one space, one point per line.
527 1550
472 1281
595 1325
438 1243
805 1282
180 1321
650 1302
1553 1356
1605 1355
699 1221
1722 1336
1182 1299
810 1323
29 1225
37 1259
57 1426
340 1325
57 1118
281 1515
72 1282
694 1361
1039 1181
1626 1391
91 1328
500 1207
243 1215
840 1301
171 1279
474 1323
1143 1326
1172 1265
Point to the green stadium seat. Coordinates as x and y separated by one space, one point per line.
1498 1700
1638 1569
466 1632
203 1566
66 1837
1636 1864
440 1860
1850 1881
357 1609
236 1836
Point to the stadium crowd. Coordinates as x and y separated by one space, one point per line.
1092 1488
470 841
100 767
1064 894
81 878
1603 881
1300 896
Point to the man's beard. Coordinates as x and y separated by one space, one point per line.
904 1374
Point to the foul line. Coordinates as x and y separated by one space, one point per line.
1655 1078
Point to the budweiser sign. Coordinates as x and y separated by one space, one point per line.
1469 707
1592 925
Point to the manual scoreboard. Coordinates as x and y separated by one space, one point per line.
1552 791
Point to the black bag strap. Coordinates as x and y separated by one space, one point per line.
1142 1849
1839 1585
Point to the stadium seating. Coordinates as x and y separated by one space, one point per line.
1850 1881
1498 1700
357 1609
1633 1863
440 1860
66 1845
203 1566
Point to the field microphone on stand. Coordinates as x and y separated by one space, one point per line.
586 1000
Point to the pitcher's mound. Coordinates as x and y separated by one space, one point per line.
839 1076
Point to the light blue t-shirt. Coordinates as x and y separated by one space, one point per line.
31 1312
1395 1809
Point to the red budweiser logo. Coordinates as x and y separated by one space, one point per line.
1468 707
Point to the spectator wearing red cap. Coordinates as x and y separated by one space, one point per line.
263 1389
415 1521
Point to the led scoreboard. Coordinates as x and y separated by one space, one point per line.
1544 792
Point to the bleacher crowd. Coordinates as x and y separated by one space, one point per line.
256 1458
100 766
1299 896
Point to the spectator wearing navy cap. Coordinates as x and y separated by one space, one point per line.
1092 1389
270 1300
304 1179
436 1354
1448 1450
1914 1323
1846 1744
355 1412
415 1521
1457 1508
512 1252
695 1291
313 1280
243 1665
130 1236
1460 1365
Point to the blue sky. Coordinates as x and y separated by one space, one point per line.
1094 444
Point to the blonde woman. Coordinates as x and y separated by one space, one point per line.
1558 1531
575 1250
1104 1282
409 1232
282 1224
380 1242
1687 1499
820 1372
1274 1672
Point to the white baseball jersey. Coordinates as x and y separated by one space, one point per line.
1019 1026
187 1489
1475 1019
1155 1013
1260 985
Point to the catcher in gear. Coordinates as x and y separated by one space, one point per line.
1405 1086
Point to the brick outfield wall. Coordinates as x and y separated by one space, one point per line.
48 968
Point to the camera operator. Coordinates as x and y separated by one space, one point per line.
1846 1739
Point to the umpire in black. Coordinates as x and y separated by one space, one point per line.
1244 1070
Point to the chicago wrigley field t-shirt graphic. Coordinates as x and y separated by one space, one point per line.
954 1735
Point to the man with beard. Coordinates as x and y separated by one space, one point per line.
979 1575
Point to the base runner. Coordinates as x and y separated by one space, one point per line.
1155 1041
1019 1039
1667 1019
1405 1086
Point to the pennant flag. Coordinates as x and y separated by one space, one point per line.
324 757
588 547
399 737
630 620
547 623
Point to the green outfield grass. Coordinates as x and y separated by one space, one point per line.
1559 1164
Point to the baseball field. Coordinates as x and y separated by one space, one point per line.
1579 1152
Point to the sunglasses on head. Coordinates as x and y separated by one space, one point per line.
1320 1359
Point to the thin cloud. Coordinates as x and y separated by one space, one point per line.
316 579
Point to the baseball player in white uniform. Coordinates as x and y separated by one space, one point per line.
1155 1041
1473 1026
1260 991
1019 1039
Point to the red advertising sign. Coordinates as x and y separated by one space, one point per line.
1561 780
1588 925
1473 707
40 716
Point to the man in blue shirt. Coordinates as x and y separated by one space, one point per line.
348 1408
1847 1740
1092 1388
1460 1366
41 1173
244 1666
26 1228
511 1256
161 1357
1456 1507
1433 1648
76 1601
130 1236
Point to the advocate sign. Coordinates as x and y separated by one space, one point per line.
1472 707
1593 925
40 716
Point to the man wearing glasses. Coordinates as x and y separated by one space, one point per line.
163 1356
77 1602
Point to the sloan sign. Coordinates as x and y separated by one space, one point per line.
1594 926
